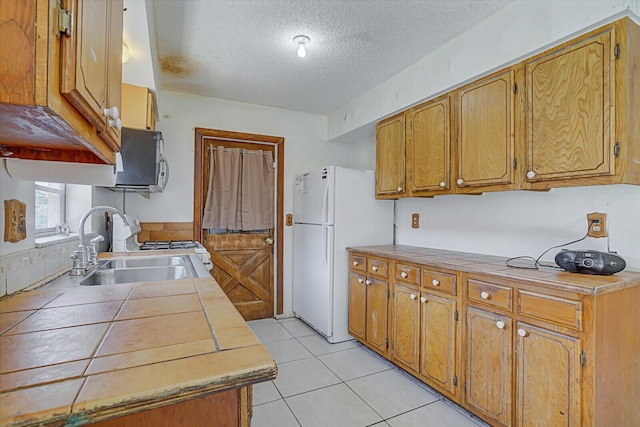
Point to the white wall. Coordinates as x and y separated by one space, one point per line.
305 148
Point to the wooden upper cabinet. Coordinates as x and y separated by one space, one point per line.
485 123
570 110
56 83
87 61
428 148
489 364
390 158
548 378
138 110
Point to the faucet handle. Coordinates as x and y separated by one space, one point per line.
77 269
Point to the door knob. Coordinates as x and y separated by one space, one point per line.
268 241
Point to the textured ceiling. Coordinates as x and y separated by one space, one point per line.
243 50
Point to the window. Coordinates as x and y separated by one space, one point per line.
50 206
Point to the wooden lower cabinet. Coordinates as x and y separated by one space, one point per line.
438 343
489 364
231 408
368 298
406 326
548 378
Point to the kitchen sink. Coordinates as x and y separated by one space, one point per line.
146 262
141 274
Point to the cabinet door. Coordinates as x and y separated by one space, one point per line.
111 135
429 147
376 325
357 305
548 378
485 140
489 364
570 111
91 64
390 157
405 336
438 348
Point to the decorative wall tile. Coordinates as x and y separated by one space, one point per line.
37 265
3 277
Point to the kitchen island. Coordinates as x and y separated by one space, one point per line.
158 353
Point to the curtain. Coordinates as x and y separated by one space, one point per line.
240 190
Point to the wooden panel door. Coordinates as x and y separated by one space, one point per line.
85 59
111 134
357 306
438 341
489 364
429 148
485 134
390 157
243 267
377 297
548 377
405 336
570 111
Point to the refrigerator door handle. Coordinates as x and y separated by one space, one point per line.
325 205
325 244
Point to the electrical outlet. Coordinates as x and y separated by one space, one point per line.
289 220
597 224
415 220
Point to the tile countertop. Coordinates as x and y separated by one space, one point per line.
81 354
495 266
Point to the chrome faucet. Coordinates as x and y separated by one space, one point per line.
85 257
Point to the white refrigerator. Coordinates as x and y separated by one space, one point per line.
334 208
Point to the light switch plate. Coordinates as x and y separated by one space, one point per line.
415 220
289 221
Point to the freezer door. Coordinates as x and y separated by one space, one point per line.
314 196
313 275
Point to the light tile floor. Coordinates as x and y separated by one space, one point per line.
341 385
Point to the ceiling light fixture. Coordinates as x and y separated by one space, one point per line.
302 41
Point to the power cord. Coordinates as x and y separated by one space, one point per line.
536 261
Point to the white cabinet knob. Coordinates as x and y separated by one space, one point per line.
413 296
522 332
404 275
485 295
361 280
117 123
500 324
399 189
434 282
443 184
368 282
531 174
355 263
112 112
374 268
423 299
460 181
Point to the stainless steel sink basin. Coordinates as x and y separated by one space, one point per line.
146 262
142 274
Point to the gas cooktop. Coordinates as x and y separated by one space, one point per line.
152 245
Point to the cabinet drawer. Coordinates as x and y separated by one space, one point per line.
439 282
552 309
490 294
378 268
407 273
358 263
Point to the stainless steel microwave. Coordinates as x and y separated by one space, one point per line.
145 168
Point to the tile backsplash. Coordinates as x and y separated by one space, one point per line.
36 266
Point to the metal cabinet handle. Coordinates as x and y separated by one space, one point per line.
443 184
485 295
112 112
374 268
522 332
531 174
413 296
434 282
423 299
368 282
460 181
500 324
355 263
361 280
404 275
399 188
